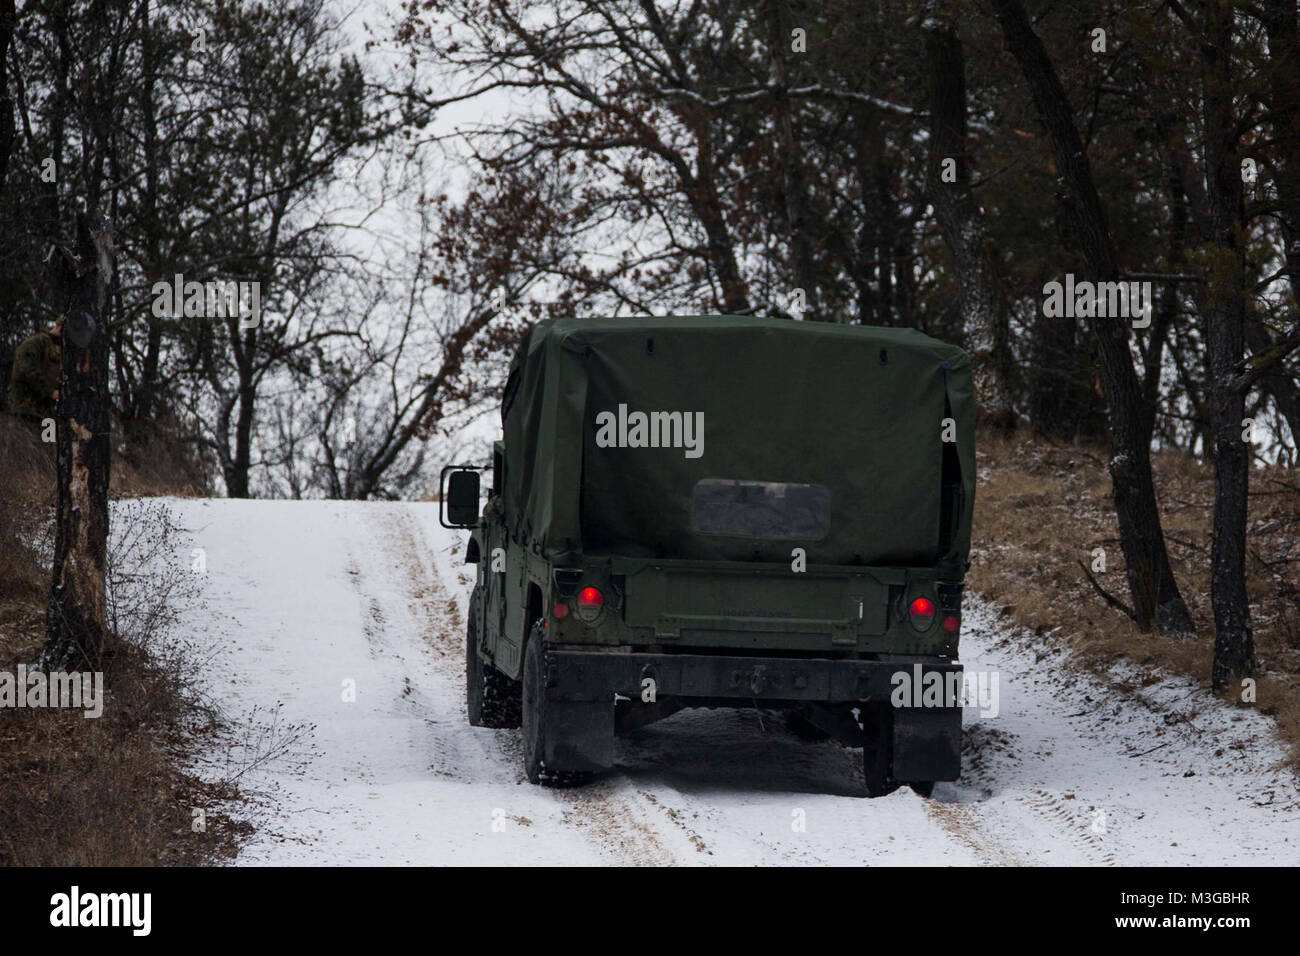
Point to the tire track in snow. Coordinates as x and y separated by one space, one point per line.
427 600
598 812
962 825
1070 816
437 638
604 813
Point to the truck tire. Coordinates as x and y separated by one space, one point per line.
491 698
878 750
878 755
534 719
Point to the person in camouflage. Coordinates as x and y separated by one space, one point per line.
34 382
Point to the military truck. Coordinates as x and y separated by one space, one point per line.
723 511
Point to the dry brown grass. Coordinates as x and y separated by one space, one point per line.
110 791
26 498
1042 508
155 463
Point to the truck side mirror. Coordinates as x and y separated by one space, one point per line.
459 497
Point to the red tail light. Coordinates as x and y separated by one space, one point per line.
589 604
560 611
922 611
950 624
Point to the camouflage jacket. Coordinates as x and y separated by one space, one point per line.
35 376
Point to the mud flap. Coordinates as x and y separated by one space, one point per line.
927 743
579 734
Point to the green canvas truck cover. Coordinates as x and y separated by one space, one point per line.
814 435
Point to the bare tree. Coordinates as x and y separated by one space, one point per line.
74 631
1156 598
1224 309
465 305
960 218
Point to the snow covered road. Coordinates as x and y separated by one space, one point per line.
350 615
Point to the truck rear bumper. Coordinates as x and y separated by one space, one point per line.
595 675
581 686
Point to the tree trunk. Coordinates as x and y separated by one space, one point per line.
59 23
8 135
1284 83
143 406
702 193
1225 318
74 632
1156 599
1280 20
791 161
1056 394
883 237
238 480
237 455
984 307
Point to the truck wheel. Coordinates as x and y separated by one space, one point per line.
534 719
491 698
922 788
878 750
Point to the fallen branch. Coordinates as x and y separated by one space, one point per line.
1110 598
1186 544
1285 559
1151 751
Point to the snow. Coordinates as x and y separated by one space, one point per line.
302 597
